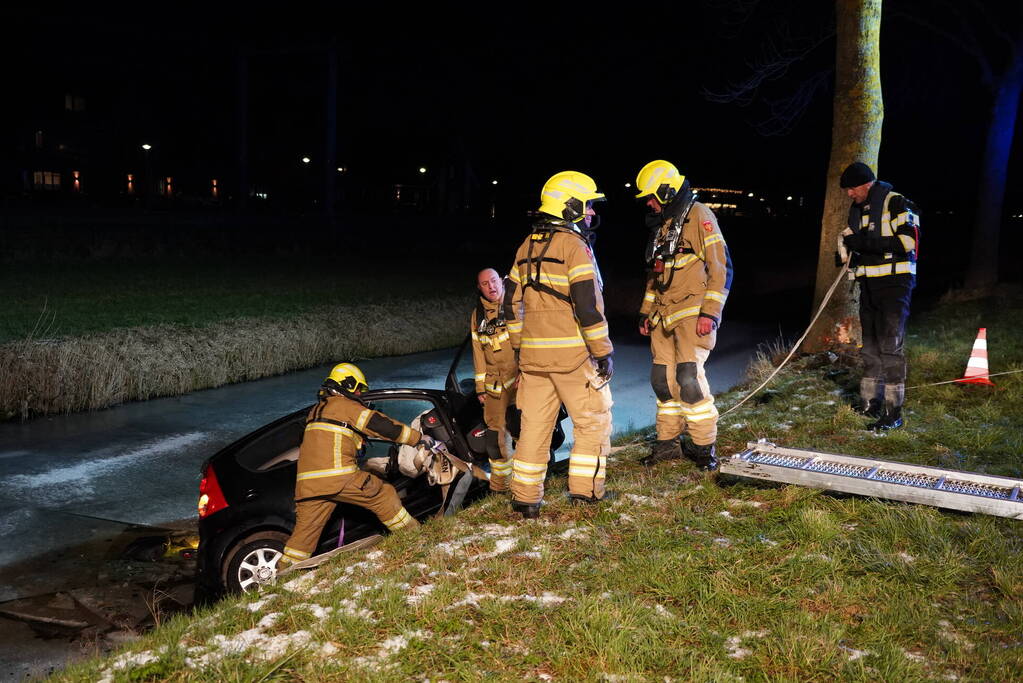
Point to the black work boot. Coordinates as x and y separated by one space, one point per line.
577 499
873 409
703 456
527 510
663 450
891 418
891 415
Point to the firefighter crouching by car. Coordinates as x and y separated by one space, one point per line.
328 472
555 313
496 372
690 275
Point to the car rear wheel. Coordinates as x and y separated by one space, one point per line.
253 561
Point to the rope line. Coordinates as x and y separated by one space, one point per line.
824 302
953 381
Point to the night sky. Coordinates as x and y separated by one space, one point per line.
519 96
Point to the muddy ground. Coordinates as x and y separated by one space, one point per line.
93 597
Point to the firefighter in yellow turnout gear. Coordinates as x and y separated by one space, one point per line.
328 472
690 275
555 313
496 372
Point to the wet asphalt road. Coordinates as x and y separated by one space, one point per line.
71 479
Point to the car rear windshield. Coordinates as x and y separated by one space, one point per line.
258 453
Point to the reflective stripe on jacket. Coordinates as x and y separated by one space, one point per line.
493 357
884 238
334 433
696 279
553 303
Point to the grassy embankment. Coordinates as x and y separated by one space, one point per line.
91 335
681 577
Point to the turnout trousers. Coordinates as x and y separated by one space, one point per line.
362 489
884 309
499 450
540 397
684 401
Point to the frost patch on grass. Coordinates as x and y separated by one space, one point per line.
130 660
723 542
530 554
766 541
266 647
853 653
387 649
474 599
643 500
734 644
907 558
817 556
505 541
662 611
738 502
915 657
301 584
258 604
419 593
951 635
726 514
317 611
626 518
351 608
572 532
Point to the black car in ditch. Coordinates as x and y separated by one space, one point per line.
246 496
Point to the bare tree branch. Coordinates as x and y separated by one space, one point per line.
973 49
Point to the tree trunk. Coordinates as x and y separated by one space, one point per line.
855 136
983 269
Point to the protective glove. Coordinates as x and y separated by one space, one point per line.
605 368
705 325
644 325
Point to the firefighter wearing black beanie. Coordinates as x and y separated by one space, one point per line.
882 234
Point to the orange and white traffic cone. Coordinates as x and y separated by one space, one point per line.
976 368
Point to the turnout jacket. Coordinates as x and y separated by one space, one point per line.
553 301
696 279
334 432
885 232
493 357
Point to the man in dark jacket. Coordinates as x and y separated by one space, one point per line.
883 233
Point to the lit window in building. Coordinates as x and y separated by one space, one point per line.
214 190
131 183
73 103
39 139
167 189
46 180
76 186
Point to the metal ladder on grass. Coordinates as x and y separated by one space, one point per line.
944 488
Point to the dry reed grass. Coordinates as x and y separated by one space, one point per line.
54 376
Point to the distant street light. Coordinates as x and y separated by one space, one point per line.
341 169
628 185
305 160
422 169
147 147
789 198
750 194
493 182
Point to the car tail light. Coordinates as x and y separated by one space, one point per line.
211 498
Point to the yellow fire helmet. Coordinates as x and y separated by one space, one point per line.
566 193
661 179
348 378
